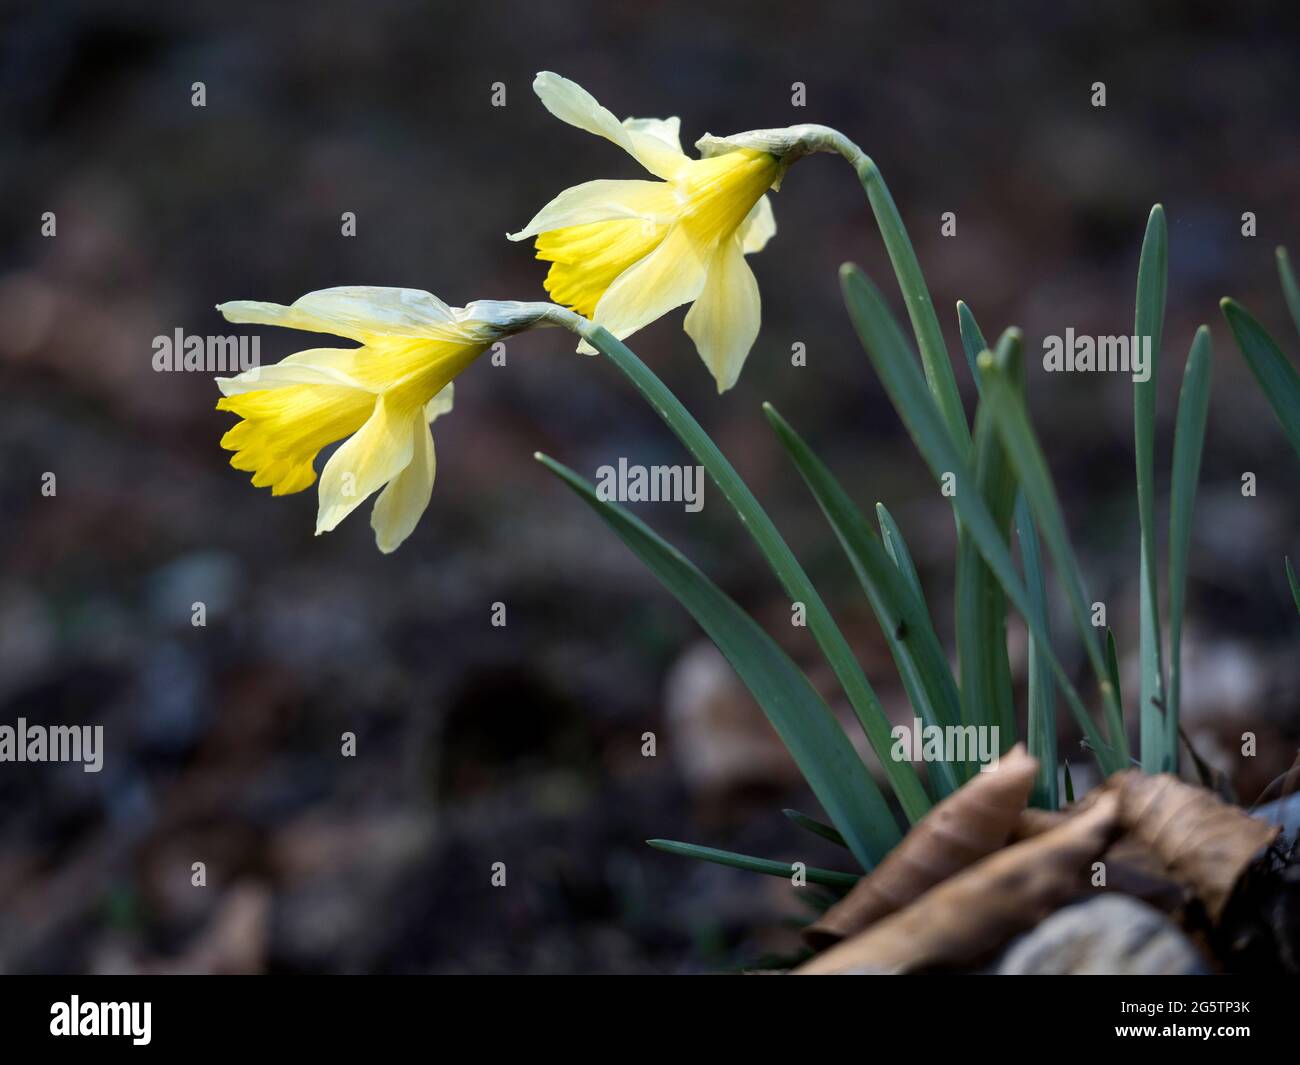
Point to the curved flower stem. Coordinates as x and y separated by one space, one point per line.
916 294
792 143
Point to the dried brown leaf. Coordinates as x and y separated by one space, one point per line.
1131 869
1204 843
970 915
970 824
1033 822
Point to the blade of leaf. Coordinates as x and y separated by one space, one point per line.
894 543
866 705
802 720
817 828
828 877
896 547
972 339
981 605
1204 772
1112 665
1290 579
1042 688
1148 326
1189 441
922 665
1289 287
1041 718
887 350
1275 374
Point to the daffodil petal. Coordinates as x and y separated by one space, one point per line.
316 366
668 130
373 456
399 506
571 103
600 201
672 274
758 227
724 321
360 313
440 404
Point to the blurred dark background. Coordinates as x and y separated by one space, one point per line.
522 744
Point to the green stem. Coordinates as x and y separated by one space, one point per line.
916 295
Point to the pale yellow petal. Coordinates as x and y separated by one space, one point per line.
316 366
372 457
668 130
360 313
758 227
672 274
724 320
440 404
599 201
400 506
571 103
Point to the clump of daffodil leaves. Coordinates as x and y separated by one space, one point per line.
624 253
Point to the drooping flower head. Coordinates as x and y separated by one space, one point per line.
381 396
624 253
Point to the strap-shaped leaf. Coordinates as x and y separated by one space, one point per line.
1274 372
1290 289
981 605
1112 665
1149 317
1042 690
803 721
973 343
921 663
892 537
862 697
817 828
1189 442
1042 686
827 877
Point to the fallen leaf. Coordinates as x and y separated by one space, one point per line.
1031 822
1204 843
970 824
1131 869
975 912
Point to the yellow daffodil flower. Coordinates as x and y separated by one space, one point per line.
624 253
381 396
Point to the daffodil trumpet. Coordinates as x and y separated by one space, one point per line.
624 253
379 397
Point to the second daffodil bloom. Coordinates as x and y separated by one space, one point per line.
380 396
624 253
